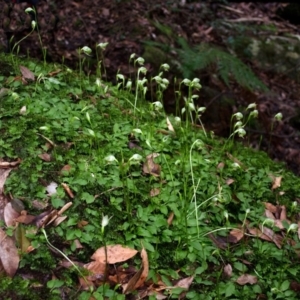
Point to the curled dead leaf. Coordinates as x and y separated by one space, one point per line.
246 278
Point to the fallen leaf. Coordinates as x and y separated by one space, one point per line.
246 278
154 192
115 254
185 284
220 165
170 218
227 272
170 126
68 190
235 235
276 182
45 157
229 181
140 277
10 215
150 167
9 256
26 73
269 206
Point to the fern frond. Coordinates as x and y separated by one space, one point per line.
200 57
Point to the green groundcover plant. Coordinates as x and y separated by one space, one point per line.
202 207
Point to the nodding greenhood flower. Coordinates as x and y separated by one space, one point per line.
157 78
110 159
129 84
135 158
142 70
196 83
186 81
238 124
132 56
165 67
235 165
157 105
241 132
102 45
33 24
225 213
293 227
104 222
137 130
140 61
165 81
192 106
120 76
254 113
201 109
29 10
91 132
86 50
87 115
250 106
177 120
45 128
15 95
238 115
278 117
98 82
268 222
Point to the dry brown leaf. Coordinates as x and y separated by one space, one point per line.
65 207
256 232
170 218
24 218
78 245
227 272
220 165
140 277
10 215
236 235
283 213
9 164
154 192
170 126
9 256
229 181
276 182
219 242
185 284
276 238
45 157
68 190
150 167
272 208
26 73
269 214
65 169
59 220
246 278
39 204
82 223
115 254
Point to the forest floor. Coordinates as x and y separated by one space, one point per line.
65 26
